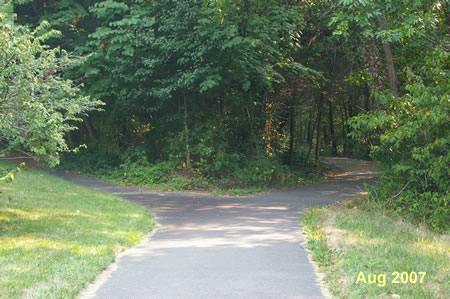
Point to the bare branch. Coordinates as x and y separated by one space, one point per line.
398 194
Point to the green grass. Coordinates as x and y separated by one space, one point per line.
56 237
354 237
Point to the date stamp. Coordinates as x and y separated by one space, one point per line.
395 278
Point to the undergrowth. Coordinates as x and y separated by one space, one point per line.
240 177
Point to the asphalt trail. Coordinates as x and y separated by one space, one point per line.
223 247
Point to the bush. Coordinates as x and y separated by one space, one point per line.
261 170
137 170
413 141
37 105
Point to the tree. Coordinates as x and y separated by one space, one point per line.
408 131
37 105
199 66
413 133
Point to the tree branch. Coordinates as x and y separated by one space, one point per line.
398 194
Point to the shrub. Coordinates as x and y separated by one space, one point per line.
37 105
261 170
413 141
138 170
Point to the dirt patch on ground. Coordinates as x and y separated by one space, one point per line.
334 234
338 238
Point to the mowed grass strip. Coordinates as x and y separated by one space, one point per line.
351 239
55 236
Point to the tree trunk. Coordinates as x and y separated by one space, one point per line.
367 105
326 138
352 102
308 130
253 147
319 118
344 127
186 134
291 135
332 134
382 23
69 138
89 128
311 128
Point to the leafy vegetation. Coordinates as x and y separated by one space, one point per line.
36 102
243 94
242 177
230 96
413 141
55 237
355 237
8 175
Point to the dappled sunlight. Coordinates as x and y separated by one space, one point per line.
361 238
129 236
19 213
361 234
161 247
77 240
55 232
165 209
267 221
31 243
40 213
18 268
132 215
273 208
192 223
355 174
4 217
329 192
230 206
237 232
218 227
243 241
432 247
242 206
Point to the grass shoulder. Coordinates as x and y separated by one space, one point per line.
365 252
56 237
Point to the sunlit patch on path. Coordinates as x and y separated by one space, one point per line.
216 247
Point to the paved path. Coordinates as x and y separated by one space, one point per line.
220 247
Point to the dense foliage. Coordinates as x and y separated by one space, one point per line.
244 93
36 102
413 147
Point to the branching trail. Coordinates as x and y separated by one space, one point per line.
221 247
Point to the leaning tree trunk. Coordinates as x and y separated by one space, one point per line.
382 23
186 134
